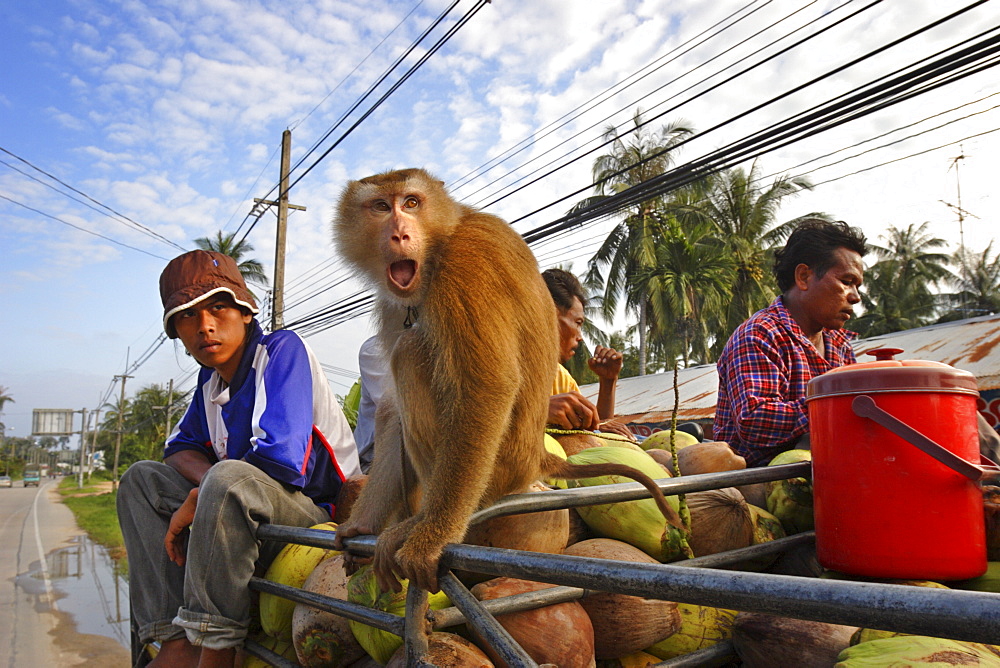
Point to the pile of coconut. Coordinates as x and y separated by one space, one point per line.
607 629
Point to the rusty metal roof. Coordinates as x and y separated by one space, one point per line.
972 345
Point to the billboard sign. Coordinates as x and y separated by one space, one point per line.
52 422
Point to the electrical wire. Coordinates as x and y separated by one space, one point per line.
82 229
119 217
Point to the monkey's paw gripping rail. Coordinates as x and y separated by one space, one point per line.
961 615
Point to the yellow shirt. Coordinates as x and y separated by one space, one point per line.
564 382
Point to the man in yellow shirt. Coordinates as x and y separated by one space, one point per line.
568 408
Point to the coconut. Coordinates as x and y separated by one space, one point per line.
640 522
552 446
709 457
578 442
546 531
560 634
917 651
446 650
349 492
634 660
661 440
720 521
791 500
755 494
701 627
323 638
763 641
663 458
624 624
363 588
578 529
766 527
800 560
615 441
280 646
991 506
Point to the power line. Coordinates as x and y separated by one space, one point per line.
82 229
119 217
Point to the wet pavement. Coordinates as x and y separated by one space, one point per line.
89 587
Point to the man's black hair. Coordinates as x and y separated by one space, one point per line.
563 286
813 243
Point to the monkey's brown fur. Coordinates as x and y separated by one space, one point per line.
465 411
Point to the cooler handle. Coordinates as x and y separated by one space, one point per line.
865 406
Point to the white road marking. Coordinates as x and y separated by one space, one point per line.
41 553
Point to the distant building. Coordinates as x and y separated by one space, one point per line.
645 402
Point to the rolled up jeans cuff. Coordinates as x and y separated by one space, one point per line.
210 631
160 632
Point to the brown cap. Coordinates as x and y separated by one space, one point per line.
197 275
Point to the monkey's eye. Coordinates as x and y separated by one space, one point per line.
381 205
411 202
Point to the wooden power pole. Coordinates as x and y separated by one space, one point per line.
278 281
121 427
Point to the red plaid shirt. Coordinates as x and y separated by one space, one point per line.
763 372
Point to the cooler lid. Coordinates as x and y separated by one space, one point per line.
886 374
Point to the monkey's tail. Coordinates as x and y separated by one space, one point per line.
556 467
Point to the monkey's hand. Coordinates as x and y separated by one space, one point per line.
349 529
418 559
387 571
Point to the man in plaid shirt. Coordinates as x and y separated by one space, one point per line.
769 359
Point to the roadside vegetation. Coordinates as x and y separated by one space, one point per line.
93 505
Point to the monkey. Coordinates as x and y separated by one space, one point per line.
471 330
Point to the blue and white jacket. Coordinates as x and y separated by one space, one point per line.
277 414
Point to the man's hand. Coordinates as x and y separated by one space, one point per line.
572 411
606 363
175 542
616 427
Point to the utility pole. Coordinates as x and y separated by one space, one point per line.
121 426
93 438
170 406
83 449
278 282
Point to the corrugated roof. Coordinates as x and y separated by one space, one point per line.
972 345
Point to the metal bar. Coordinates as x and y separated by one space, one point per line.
267 656
723 559
355 611
513 603
417 626
485 624
287 534
630 491
961 615
718 654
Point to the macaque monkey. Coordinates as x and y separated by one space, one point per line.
470 329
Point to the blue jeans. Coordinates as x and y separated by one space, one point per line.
208 599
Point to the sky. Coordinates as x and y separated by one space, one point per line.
128 129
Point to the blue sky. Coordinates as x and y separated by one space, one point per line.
171 112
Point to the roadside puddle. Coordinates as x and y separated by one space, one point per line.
90 598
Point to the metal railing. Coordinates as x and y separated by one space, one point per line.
960 615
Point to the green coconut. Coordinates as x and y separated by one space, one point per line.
553 446
639 523
701 627
916 651
791 500
661 440
362 588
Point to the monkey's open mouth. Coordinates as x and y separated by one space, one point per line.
402 272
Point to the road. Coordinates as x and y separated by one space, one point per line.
38 536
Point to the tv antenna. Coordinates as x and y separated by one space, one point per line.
957 208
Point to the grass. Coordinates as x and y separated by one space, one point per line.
94 509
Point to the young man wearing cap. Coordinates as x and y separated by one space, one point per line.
769 359
263 441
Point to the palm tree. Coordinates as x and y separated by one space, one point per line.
5 397
688 288
629 251
744 211
252 270
897 293
977 285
